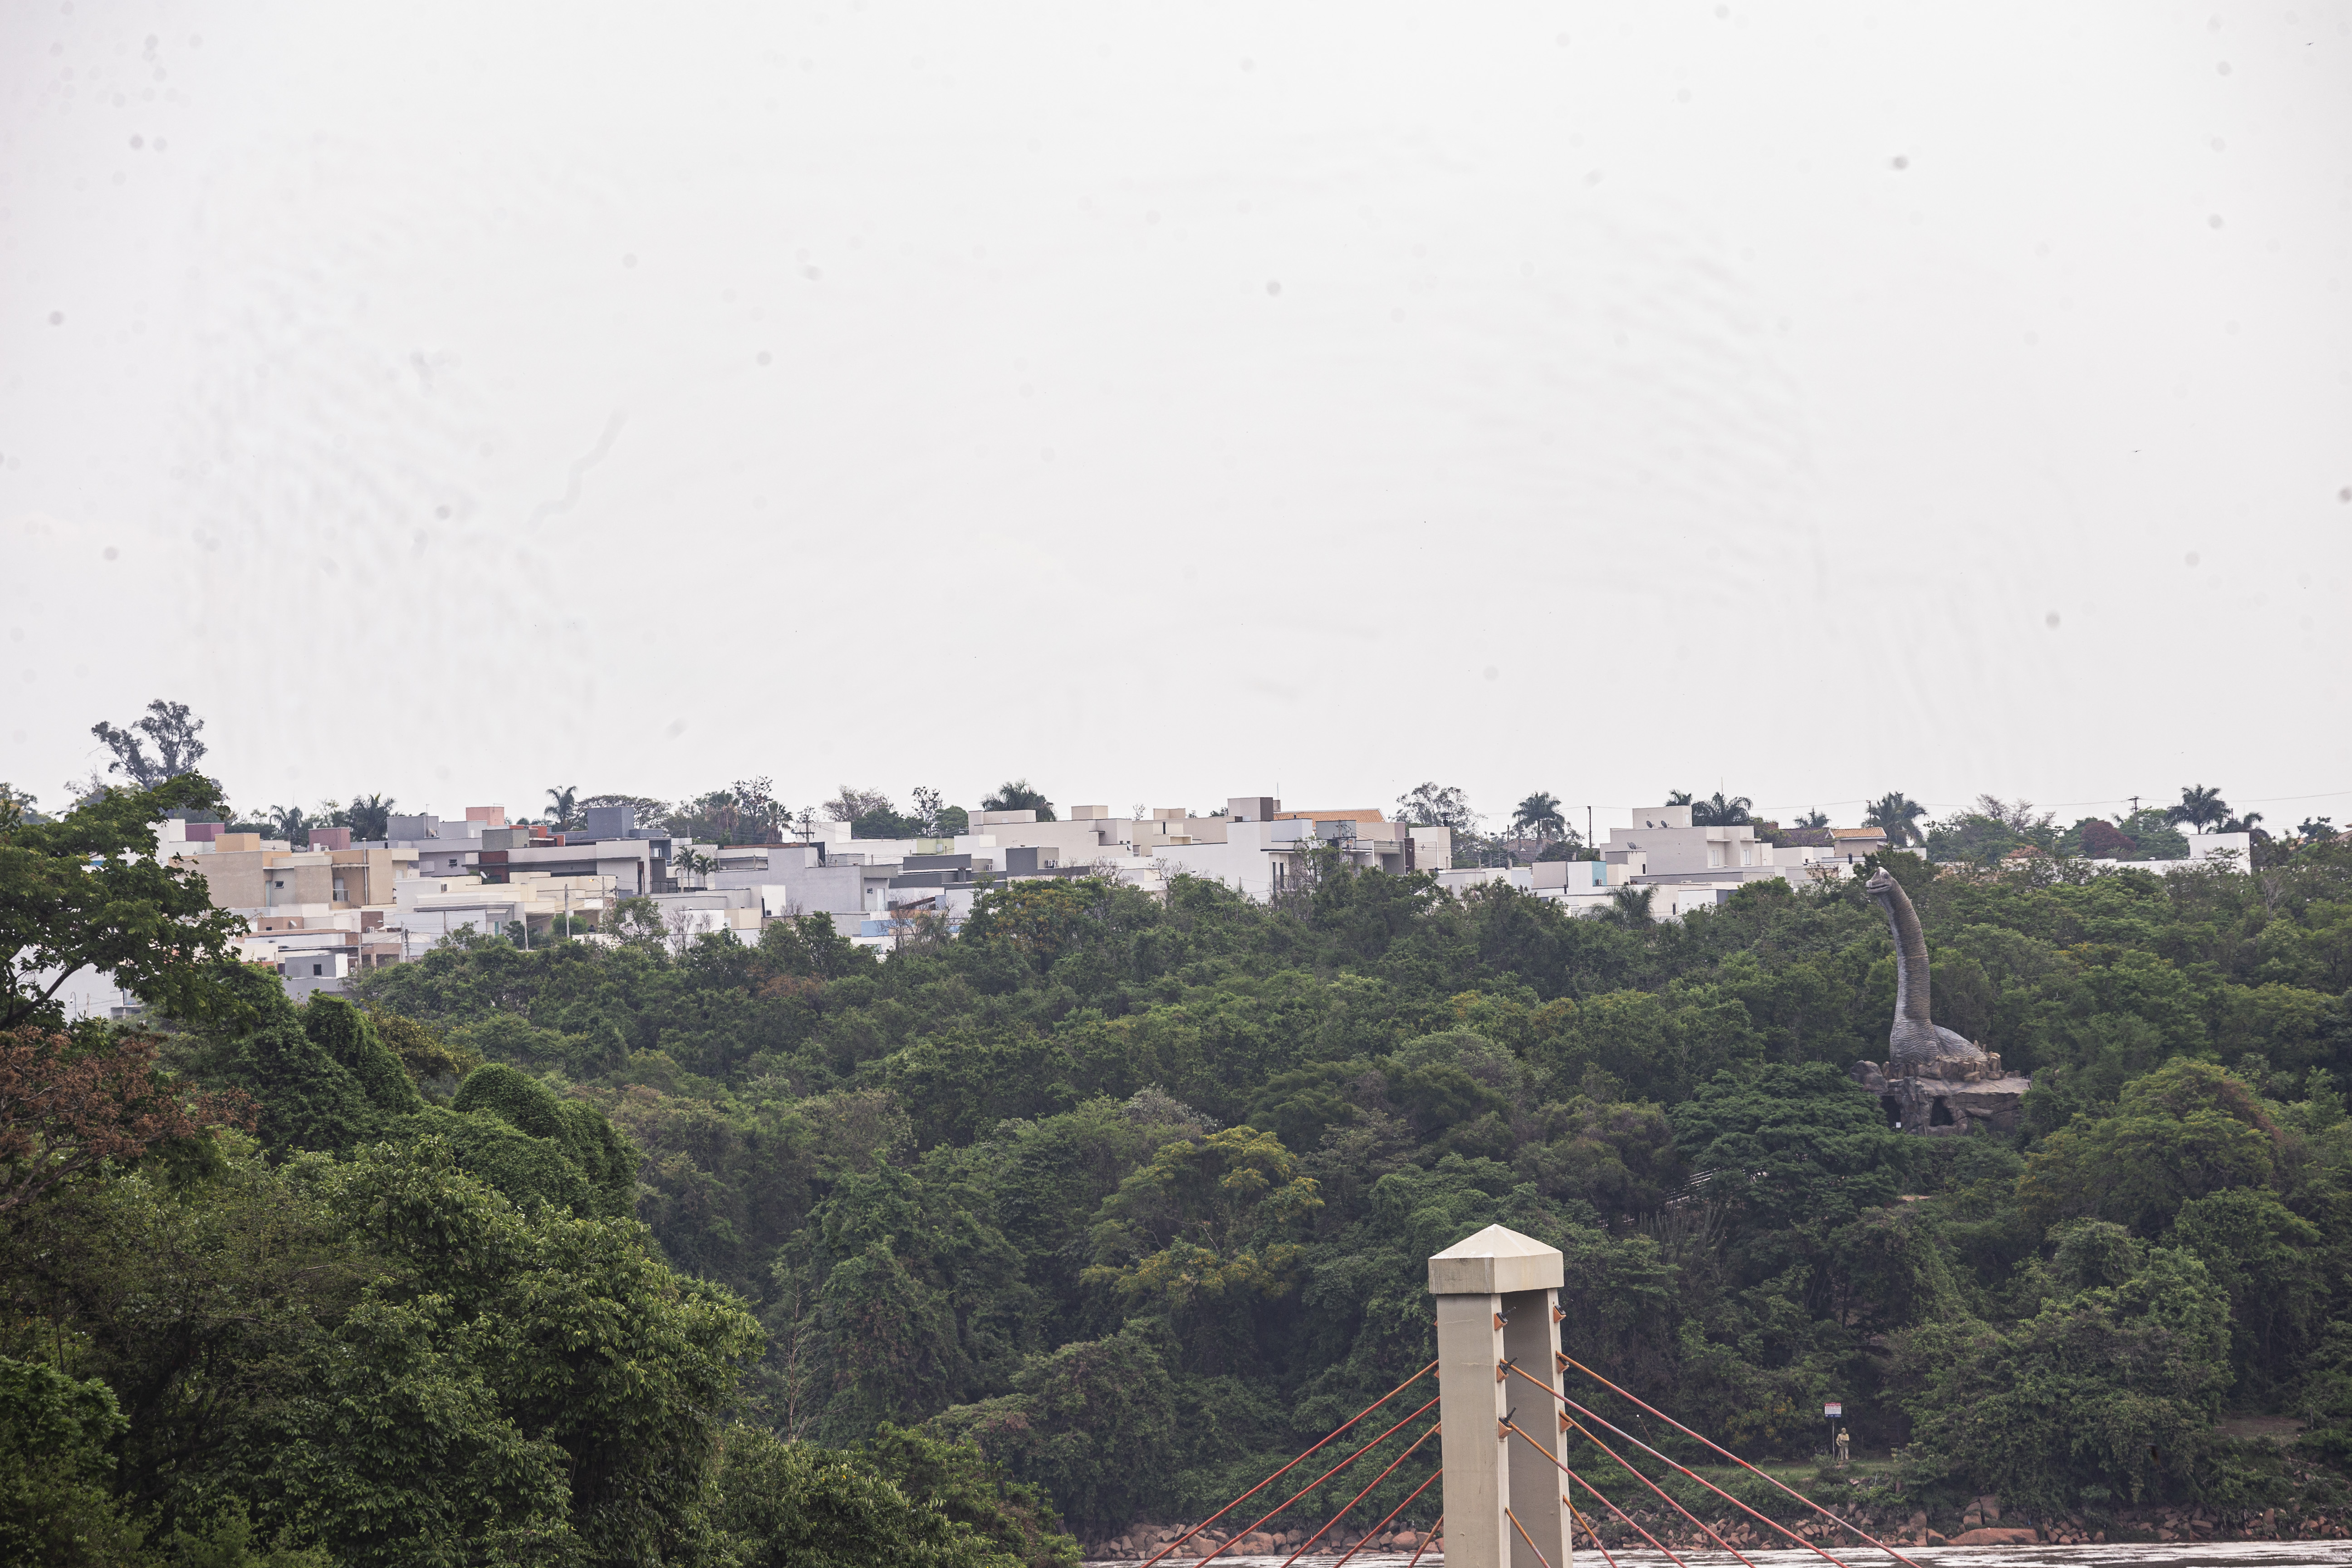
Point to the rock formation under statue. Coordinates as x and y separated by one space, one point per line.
1935 1081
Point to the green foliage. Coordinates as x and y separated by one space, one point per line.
2153 835
1203 1231
884 822
791 1505
962 1483
1018 795
2187 1129
230 1540
55 1506
386 1360
1124 1200
1092 1422
346 1034
2271 1262
86 890
322 1079
949 1177
2113 1386
1793 1146
812 946
515 1134
527 1171
425 1054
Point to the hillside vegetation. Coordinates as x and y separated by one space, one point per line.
1100 1209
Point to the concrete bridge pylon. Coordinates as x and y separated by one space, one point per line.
1498 1301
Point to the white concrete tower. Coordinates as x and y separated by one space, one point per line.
1497 1298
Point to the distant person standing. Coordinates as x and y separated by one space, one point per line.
1844 1447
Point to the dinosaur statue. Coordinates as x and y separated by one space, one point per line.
1917 1040
1934 1080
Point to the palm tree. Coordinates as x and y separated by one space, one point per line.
1679 797
288 822
1631 906
2199 805
369 817
1719 812
563 806
1898 814
1814 818
1017 794
1538 816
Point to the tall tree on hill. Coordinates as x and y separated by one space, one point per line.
1432 805
849 804
169 728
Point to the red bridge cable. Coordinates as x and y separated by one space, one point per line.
1526 1537
1709 1485
1433 1530
1352 1501
1685 1469
1612 1507
1567 1360
1310 1485
1599 1544
1392 1513
1286 1469
1667 1497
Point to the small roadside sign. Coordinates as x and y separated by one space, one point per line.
1832 1410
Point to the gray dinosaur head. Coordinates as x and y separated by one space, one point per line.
1880 883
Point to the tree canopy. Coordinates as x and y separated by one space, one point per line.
1098 1210
87 890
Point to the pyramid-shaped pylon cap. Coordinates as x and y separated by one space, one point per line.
1494 1262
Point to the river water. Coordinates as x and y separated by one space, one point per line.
2170 1554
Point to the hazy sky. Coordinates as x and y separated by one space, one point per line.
1175 402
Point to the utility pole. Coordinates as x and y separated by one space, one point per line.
2135 800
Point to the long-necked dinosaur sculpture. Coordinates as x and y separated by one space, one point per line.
1934 1080
1916 1040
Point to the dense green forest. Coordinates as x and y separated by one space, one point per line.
1097 1211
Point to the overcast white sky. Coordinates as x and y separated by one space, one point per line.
1175 402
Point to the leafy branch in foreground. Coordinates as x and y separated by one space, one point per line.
87 891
